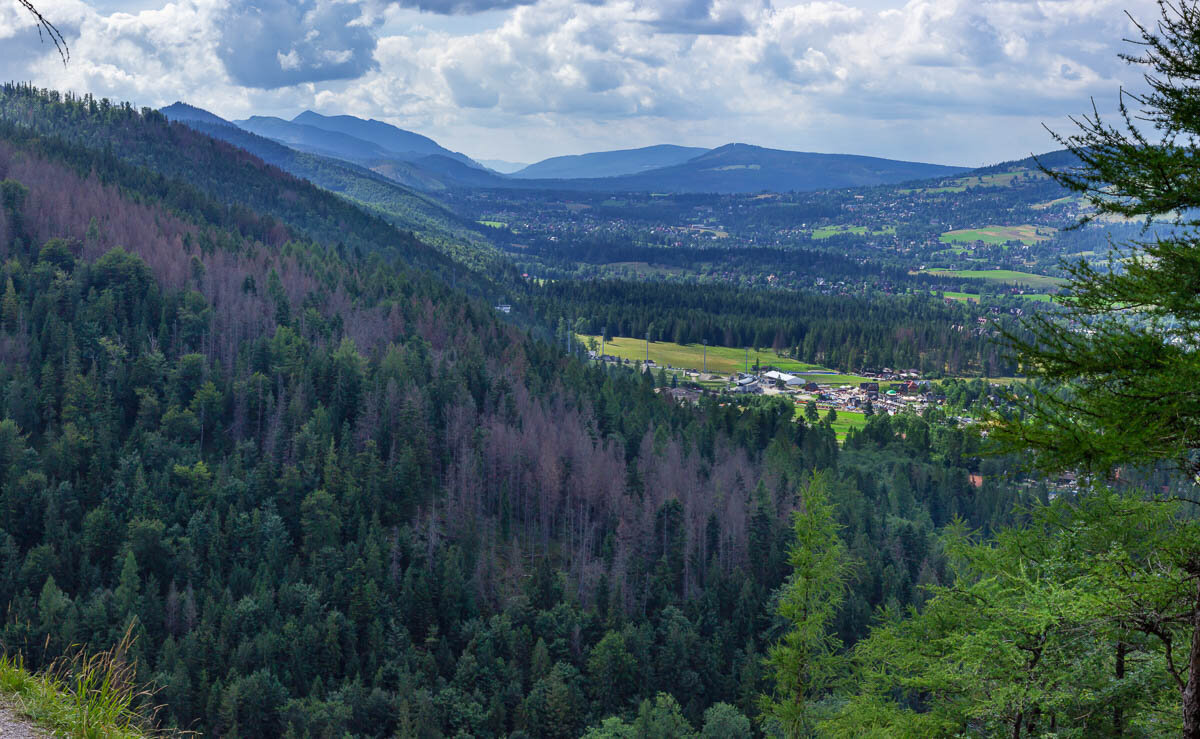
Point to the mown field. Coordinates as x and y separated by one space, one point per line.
845 421
1001 275
724 360
1057 201
721 359
960 184
643 269
1039 297
825 232
1025 233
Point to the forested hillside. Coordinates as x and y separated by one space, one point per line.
332 493
848 331
174 162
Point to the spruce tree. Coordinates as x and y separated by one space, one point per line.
1119 365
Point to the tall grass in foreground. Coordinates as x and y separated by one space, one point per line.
85 696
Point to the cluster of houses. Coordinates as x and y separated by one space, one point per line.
888 391
905 390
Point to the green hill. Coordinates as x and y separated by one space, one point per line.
405 208
610 163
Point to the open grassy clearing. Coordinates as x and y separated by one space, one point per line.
1000 275
721 359
845 421
1057 201
707 230
1039 297
824 232
494 224
724 360
644 268
1025 233
960 184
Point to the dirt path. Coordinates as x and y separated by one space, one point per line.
14 727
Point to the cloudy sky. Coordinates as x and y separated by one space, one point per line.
950 81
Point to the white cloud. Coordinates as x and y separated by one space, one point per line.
944 80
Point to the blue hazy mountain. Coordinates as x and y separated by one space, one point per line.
503 166
744 168
396 141
314 140
609 163
426 165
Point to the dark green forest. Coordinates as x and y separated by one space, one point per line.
293 454
331 493
866 330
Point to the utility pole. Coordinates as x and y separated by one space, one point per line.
706 356
647 346
747 360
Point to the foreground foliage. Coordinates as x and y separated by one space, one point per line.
1064 627
85 696
1086 620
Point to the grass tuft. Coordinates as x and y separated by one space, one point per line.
85 696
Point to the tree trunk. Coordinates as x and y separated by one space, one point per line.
1191 692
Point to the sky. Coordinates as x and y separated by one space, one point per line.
968 82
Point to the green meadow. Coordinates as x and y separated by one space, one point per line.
845 421
1039 297
824 232
721 359
1026 234
1001 275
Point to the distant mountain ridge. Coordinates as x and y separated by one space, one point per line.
387 137
312 139
747 168
610 163
503 166
1058 159
181 111
376 191
366 142
744 168
419 162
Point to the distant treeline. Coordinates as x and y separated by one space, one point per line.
850 332
609 249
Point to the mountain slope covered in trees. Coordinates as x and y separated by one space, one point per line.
381 194
333 494
610 163
395 141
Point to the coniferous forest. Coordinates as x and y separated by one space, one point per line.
296 456
330 493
